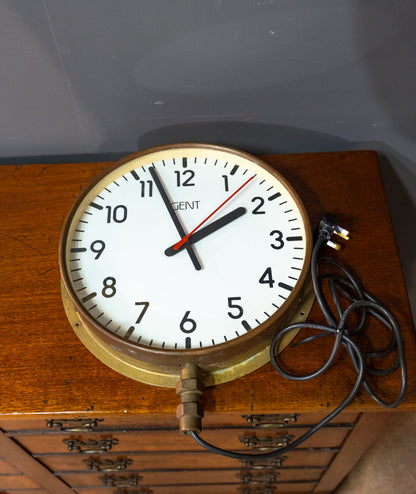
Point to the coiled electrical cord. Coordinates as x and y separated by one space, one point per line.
347 286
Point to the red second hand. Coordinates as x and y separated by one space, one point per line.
186 238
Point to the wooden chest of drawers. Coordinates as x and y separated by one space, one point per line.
70 424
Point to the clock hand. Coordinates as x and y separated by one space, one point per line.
207 230
185 238
173 216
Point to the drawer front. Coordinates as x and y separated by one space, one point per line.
95 422
206 476
194 459
101 455
298 487
234 439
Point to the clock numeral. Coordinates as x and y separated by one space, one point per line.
97 247
189 322
267 278
109 289
257 209
143 187
279 243
118 214
187 182
232 305
225 177
144 309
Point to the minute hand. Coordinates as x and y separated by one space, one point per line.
173 216
207 230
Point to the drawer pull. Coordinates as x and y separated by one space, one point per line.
91 446
264 420
257 478
142 490
266 442
271 464
108 465
121 480
256 490
73 425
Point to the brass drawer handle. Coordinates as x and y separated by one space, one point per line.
108 465
142 490
73 425
253 490
256 478
270 464
91 446
264 420
266 442
121 480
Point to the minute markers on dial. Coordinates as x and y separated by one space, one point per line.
285 286
234 169
139 229
129 332
245 325
88 297
135 175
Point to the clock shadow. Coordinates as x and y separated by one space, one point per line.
251 137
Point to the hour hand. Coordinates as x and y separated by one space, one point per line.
207 230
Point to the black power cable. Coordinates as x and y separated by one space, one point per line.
346 286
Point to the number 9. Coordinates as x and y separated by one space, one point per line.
97 247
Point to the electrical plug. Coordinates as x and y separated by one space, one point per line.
328 227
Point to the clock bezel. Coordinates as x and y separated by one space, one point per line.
213 358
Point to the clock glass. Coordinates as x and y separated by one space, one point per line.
185 248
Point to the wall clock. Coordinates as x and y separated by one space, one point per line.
185 253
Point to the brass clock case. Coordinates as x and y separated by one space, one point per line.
161 367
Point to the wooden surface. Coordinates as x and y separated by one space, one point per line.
44 369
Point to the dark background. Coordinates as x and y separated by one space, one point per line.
98 79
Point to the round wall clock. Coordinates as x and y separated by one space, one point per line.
186 253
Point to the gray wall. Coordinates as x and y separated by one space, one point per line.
97 79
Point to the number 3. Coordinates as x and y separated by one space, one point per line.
278 239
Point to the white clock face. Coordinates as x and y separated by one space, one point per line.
241 263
